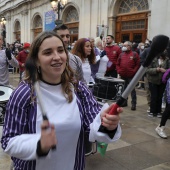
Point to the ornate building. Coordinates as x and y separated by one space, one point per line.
133 20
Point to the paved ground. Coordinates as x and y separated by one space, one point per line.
138 149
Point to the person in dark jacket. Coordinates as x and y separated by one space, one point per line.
154 74
127 65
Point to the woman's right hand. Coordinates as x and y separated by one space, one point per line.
48 136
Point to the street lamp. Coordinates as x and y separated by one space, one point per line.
58 5
3 22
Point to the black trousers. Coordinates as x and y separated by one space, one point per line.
165 115
133 93
156 97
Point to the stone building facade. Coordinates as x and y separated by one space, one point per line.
133 20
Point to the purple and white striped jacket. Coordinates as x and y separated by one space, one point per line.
20 118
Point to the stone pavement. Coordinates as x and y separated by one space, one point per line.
138 149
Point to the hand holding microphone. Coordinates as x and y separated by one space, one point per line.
110 121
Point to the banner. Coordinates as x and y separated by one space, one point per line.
50 18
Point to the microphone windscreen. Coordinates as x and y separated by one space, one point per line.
159 44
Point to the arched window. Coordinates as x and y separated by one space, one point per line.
37 22
129 6
17 26
71 20
132 20
72 15
17 31
37 25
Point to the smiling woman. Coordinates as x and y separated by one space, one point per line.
71 110
49 56
52 60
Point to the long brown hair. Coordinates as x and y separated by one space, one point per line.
67 75
78 50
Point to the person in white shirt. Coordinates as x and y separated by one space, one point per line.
6 58
84 50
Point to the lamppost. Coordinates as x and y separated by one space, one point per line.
3 22
58 5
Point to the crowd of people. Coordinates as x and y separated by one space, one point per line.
63 74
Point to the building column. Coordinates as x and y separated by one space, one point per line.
24 25
112 26
8 30
149 25
84 27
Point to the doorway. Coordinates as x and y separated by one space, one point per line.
125 37
73 38
133 36
73 28
71 20
37 31
132 27
137 37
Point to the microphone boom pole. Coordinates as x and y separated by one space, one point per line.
158 45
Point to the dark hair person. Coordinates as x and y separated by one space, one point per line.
84 50
71 110
74 61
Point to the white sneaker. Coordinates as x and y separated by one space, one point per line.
160 131
148 111
159 115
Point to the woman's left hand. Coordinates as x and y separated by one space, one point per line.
110 121
162 70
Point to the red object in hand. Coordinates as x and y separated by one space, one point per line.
113 110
